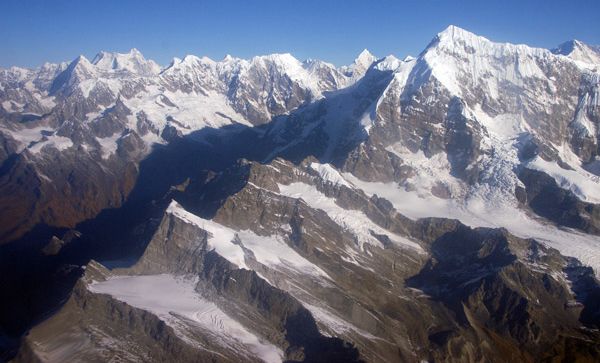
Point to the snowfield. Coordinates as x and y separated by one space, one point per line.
270 251
354 221
175 301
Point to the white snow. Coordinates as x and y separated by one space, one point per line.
87 86
395 89
109 145
333 323
483 209
459 56
490 202
582 121
270 251
365 59
502 126
58 142
175 301
195 92
429 171
581 54
408 203
133 62
360 65
26 136
192 110
585 185
356 222
389 63
221 239
288 65
330 174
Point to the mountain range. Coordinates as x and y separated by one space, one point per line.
442 208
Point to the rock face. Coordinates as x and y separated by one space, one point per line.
547 199
440 208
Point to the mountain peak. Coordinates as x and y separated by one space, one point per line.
278 57
455 40
365 58
456 55
79 69
453 33
285 62
389 63
135 51
568 47
133 61
81 64
81 59
360 65
578 51
453 29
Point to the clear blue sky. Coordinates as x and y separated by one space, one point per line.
32 32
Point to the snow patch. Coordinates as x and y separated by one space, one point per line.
175 301
429 172
585 185
270 251
58 142
334 323
191 111
356 222
330 174
484 209
109 145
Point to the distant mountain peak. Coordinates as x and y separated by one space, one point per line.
388 63
228 58
579 51
81 65
365 58
132 61
567 47
279 58
360 65
453 35
81 59
456 32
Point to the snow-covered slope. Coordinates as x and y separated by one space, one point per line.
175 300
585 55
360 65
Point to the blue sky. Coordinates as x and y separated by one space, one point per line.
32 32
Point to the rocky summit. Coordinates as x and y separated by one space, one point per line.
439 208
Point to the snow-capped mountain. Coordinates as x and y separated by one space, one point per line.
132 62
439 208
585 55
360 65
116 107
